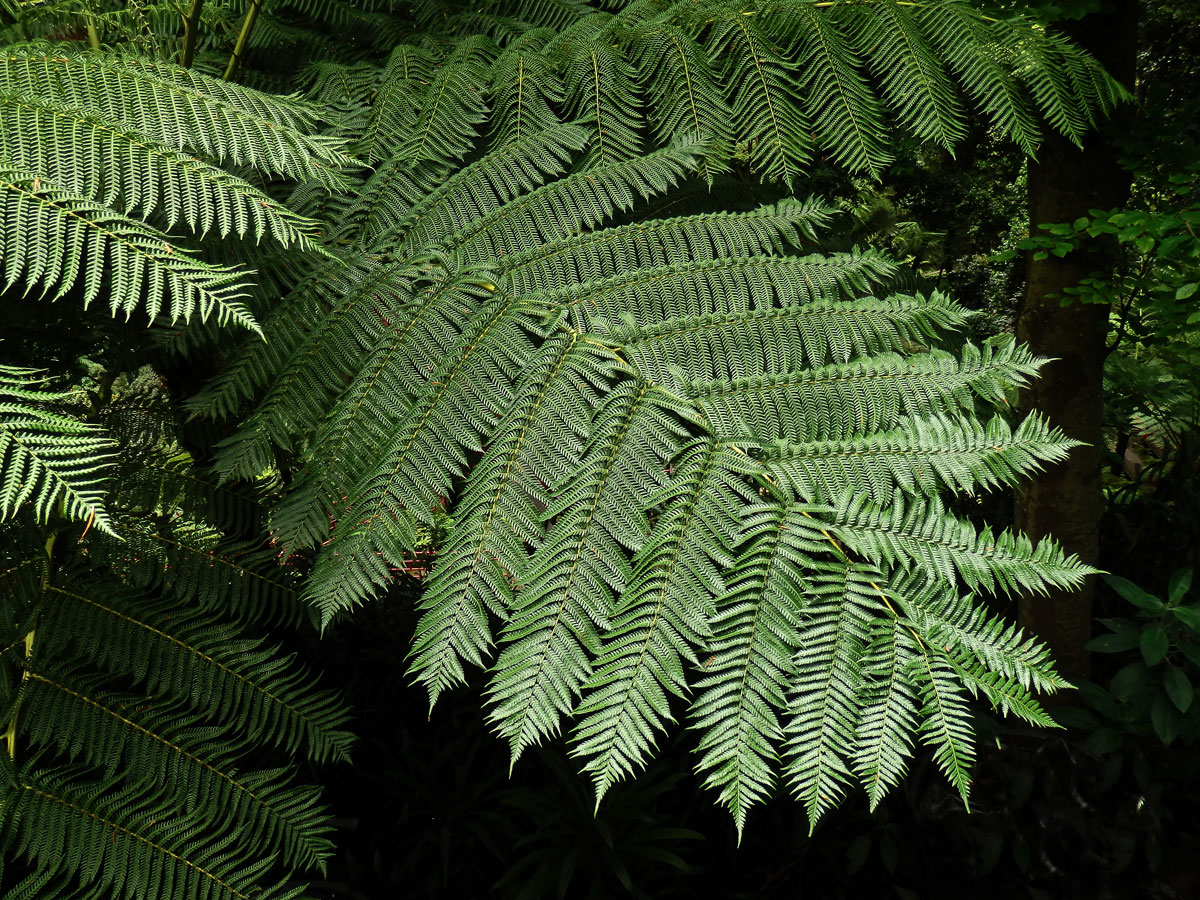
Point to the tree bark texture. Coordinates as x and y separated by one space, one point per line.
1066 501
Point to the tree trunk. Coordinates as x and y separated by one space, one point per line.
1066 500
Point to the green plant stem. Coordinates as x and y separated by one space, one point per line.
191 32
10 731
93 34
243 39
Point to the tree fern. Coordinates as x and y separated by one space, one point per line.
689 467
610 427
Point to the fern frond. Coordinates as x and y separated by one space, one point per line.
81 717
193 561
421 205
755 631
720 286
467 394
921 456
759 339
889 708
581 201
390 376
452 108
661 242
55 237
109 163
180 108
663 614
919 532
599 89
167 650
838 401
843 602
526 89
573 577
845 113
942 618
49 461
113 836
257 363
499 512
682 91
946 726
912 77
771 128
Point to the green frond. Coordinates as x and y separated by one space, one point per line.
452 109
55 237
682 89
319 350
745 680
599 90
394 99
582 201
109 163
569 588
421 205
499 514
81 717
465 398
921 456
772 130
842 400
947 720
889 708
392 373
339 83
757 339
170 650
193 561
660 242
973 53
180 108
49 461
921 533
526 90
124 838
841 604
845 113
257 363
912 78
684 290
663 614
939 616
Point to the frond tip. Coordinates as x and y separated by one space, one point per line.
57 237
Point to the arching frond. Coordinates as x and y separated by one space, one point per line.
171 651
662 617
920 456
842 602
115 833
57 238
49 461
180 108
111 164
921 533
143 740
